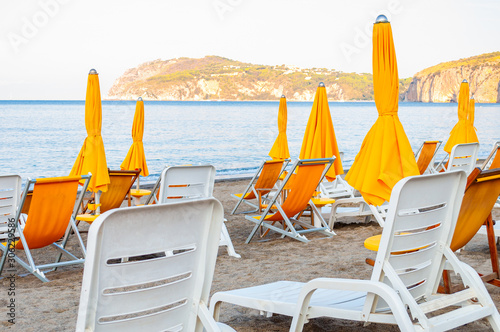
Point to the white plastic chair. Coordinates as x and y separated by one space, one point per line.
402 290
337 188
10 193
150 268
462 157
346 203
192 182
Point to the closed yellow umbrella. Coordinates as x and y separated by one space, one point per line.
463 131
135 157
280 146
92 157
385 156
471 130
319 139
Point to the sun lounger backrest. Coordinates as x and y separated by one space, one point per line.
149 268
422 215
300 190
10 193
463 156
50 210
186 182
426 155
118 188
478 201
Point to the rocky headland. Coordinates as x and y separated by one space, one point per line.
218 78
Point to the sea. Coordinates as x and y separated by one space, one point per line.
43 138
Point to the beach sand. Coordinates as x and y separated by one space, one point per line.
53 306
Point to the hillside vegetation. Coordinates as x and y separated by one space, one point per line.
218 78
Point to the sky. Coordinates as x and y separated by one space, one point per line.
49 46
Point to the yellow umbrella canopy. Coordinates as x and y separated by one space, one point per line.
385 156
135 157
471 130
319 139
280 146
463 131
92 157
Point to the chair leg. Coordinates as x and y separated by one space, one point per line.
493 252
226 241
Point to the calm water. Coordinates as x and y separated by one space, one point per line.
43 138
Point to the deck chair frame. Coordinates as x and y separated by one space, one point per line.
192 182
289 221
159 284
429 163
493 161
261 194
153 198
402 289
494 155
36 269
99 203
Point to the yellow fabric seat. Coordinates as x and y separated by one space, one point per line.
87 217
307 175
118 189
139 192
53 206
260 185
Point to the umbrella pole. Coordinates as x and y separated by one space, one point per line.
138 179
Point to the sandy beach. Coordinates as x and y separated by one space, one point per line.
53 306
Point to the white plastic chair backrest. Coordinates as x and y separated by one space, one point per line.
186 182
422 215
463 157
10 193
147 269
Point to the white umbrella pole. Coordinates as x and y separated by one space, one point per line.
97 202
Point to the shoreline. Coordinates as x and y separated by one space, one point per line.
224 100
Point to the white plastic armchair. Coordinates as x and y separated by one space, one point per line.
150 268
192 182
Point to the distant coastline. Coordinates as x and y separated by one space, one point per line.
216 78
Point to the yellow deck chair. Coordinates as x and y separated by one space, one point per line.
51 217
118 190
493 161
261 185
307 175
425 155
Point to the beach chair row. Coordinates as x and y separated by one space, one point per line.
46 213
165 284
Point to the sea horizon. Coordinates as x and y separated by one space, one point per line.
42 137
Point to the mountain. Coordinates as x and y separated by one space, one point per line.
217 78
441 83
